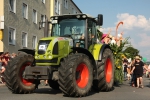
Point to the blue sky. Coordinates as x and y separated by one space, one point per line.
133 13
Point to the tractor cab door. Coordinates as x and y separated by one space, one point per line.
91 32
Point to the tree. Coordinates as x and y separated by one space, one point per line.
131 52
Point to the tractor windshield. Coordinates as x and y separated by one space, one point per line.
69 27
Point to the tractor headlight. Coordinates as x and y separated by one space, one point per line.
56 17
51 19
44 56
78 16
37 56
84 16
50 57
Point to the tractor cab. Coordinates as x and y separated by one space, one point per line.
79 27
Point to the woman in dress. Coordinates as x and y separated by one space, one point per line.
138 71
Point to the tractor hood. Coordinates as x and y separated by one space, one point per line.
53 44
53 47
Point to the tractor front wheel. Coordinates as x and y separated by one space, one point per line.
76 75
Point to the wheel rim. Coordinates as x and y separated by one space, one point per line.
26 82
108 70
82 75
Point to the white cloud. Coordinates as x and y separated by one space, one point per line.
147 52
109 29
132 21
145 40
133 43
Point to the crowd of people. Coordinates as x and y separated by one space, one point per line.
109 39
134 71
4 58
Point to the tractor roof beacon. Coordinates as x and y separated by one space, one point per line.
70 59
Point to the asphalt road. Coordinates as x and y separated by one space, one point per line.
124 92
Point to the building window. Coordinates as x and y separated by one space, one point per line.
72 10
43 1
56 6
34 41
43 17
24 39
25 11
12 34
59 8
34 16
12 5
66 4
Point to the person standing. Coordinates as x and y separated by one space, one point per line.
125 69
133 80
105 39
128 71
138 70
149 71
2 68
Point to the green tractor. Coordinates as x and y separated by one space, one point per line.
71 59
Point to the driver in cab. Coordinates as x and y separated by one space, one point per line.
79 36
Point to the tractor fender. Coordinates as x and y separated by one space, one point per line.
97 52
82 50
28 51
104 46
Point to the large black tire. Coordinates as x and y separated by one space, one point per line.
105 72
76 75
14 75
53 84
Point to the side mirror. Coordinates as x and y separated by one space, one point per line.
100 19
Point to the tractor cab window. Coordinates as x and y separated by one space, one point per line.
74 28
91 32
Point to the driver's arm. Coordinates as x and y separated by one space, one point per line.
82 36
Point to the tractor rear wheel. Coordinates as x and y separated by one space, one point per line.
105 72
15 72
76 75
